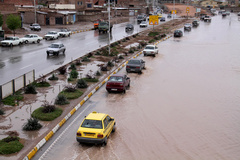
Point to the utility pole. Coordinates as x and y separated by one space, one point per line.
35 15
109 27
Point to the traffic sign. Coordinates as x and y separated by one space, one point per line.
187 9
153 20
174 11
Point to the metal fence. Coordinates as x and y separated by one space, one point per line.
16 84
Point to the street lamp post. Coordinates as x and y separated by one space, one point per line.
109 27
35 15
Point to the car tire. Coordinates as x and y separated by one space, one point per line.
64 51
124 90
38 41
114 128
11 45
140 72
144 54
57 53
26 42
47 53
105 141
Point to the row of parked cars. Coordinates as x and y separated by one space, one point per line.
34 38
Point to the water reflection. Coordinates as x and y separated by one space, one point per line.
15 59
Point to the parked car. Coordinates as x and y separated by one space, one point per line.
135 65
143 24
224 14
221 11
207 18
96 128
11 41
56 48
195 23
129 27
31 38
64 33
35 27
169 16
162 19
178 33
118 82
140 18
159 15
228 13
187 27
150 50
51 35
238 14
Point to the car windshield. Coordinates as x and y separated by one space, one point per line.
129 25
51 33
35 25
63 30
149 47
115 78
144 22
27 36
54 46
88 123
9 38
134 62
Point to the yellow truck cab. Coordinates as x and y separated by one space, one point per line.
96 128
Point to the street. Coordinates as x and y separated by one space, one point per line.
185 105
22 59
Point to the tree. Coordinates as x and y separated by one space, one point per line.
13 22
1 19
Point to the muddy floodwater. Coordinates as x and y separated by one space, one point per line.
185 105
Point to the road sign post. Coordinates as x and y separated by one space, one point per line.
187 11
153 20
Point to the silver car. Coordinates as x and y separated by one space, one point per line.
56 48
135 65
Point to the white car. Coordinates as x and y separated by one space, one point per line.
51 35
64 33
31 38
143 24
11 41
150 50
56 48
35 27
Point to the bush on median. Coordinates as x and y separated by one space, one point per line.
10 145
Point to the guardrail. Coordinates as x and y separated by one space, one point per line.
16 84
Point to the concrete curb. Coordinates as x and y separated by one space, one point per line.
54 130
79 31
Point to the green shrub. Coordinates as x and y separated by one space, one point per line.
151 41
30 89
90 79
47 107
61 100
143 43
73 74
97 53
71 95
10 145
62 70
53 78
131 50
12 99
152 34
98 73
72 66
2 112
78 62
32 125
121 57
114 52
39 114
86 59
70 79
110 64
42 84
81 83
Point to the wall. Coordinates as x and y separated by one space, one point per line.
20 2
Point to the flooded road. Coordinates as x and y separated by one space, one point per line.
185 105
